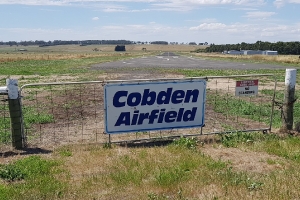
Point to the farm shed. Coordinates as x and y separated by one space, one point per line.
270 53
234 52
253 52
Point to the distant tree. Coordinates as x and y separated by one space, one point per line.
160 42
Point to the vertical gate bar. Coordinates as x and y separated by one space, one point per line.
52 109
227 96
215 105
273 104
260 111
67 112
81 112
95 113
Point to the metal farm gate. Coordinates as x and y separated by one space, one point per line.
73 112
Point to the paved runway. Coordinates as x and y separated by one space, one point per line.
170 60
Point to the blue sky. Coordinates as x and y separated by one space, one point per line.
212 21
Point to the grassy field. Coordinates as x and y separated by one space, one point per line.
235 166
292 60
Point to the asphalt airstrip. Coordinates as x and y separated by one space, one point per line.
171 60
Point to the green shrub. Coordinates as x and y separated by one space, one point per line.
190 143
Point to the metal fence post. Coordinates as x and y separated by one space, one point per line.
289 99
15 110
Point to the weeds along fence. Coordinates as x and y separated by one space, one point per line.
67 113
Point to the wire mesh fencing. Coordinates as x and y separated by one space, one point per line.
5 131
226 112
67 113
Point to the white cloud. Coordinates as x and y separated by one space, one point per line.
259 14
280 3
95 18
124 10
113 10
160 3
149 5
275 28
240 32
218 33
209 26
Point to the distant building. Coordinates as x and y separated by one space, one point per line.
253 52
250 52
270 53
234 52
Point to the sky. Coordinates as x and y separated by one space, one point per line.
182 21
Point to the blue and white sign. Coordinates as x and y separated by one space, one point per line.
135 107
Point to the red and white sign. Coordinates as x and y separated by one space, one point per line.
246 88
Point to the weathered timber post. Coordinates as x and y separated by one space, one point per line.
15 110
289 99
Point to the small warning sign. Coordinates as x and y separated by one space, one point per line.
246 88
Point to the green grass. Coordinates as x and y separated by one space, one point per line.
31 178
175 171
50 67
32 116
229 72
174 166
244 108
236 139
254 59
286 147
279 97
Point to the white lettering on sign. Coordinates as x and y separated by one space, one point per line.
154 106
246 88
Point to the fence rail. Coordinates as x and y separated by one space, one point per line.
73 112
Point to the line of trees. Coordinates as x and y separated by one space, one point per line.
159 42
42 43
284 48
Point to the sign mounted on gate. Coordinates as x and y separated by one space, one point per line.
146 106
246 88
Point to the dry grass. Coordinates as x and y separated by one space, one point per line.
178 173
11 54
13 57
289 59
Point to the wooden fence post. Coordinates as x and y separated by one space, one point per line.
289 99
15 110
